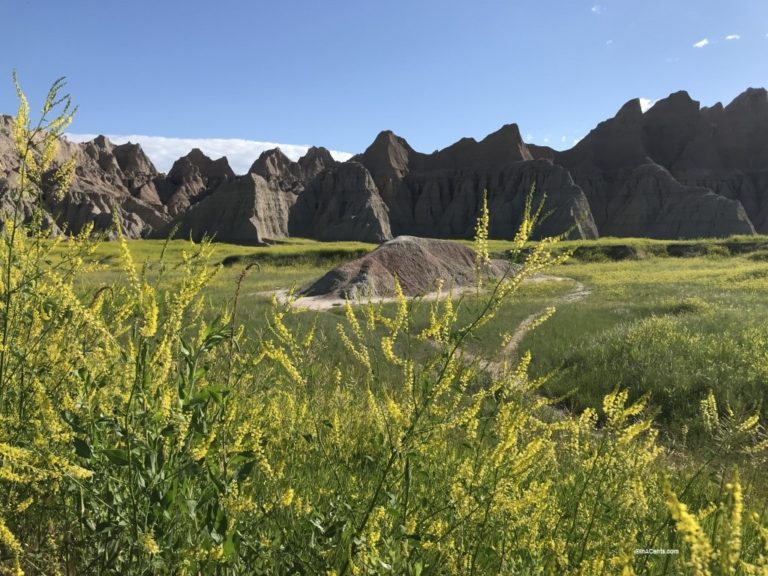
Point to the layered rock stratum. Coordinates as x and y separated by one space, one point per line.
678 170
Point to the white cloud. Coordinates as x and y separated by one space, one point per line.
240 153
597 9
701 43
733 37
528 137
646 103
546 140
563 139
609 43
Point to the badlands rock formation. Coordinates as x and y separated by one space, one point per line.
675 171
440 194
248 210
106 177
192 178
341 204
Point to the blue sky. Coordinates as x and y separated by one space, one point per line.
335 73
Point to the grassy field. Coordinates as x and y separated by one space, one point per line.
365 447
674 326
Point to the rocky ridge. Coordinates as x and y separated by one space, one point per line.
678 170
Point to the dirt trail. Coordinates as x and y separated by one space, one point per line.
508 354
579 292
328 302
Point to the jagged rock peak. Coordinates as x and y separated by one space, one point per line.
132 159
632 110
197 161
271 163
752 100
315 161
496 151
102 141
505 140
676 104
317 153
713 112
342 203
389 154
101 150
541 152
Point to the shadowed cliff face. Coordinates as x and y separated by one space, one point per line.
256 208
710 176
342 203
248 210
677 170
191 179
440 194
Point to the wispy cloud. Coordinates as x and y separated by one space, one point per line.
701 43
646 103
563 139
240 153
597 9
609 42
733 37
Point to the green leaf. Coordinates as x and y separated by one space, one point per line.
229 548
82 449
117 456
244 471
186 352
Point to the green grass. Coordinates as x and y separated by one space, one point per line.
673 327
289 264
669 327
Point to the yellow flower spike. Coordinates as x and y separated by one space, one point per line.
729 545
387 349
278 355
349 313
287 498
370 312
693 535
126 259
148 544
150 311
12 545
361 354
482 255
201 450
